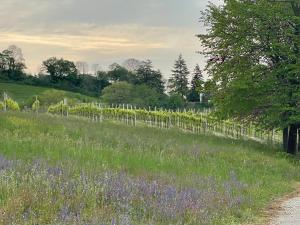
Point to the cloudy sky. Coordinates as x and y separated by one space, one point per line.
103 31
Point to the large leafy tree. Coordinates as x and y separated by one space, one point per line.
60 69
12 63
138 95
178 83
254 61
118 73
118 93
146 75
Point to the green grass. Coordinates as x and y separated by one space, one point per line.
25 93
170 156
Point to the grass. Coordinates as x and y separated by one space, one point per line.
223 181
25 93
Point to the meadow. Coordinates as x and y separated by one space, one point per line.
25 94
58 170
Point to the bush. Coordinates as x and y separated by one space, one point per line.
118 93
175 101
36 105
11 105
1 106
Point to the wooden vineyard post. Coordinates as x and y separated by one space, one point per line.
155 119
170 119
127 118
135 116
5 97
273 136
101 113
37 105
66 104
62 109
185 125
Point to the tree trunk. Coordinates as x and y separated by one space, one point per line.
292 143
285 138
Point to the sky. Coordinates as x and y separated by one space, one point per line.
104 31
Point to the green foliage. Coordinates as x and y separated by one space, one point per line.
146 75
2 106
25 95
188 120
145 96
197 85
118 73
118 93
254 60
60 69
198 80
83 149
11 105
176 102
53 96
178 83
12 63
59 108
36 105
138 95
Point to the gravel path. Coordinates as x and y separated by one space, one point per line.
290 213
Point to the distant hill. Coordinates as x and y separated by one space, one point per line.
24 94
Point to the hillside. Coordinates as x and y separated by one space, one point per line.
74 171
24 94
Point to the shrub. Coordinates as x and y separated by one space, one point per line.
11 105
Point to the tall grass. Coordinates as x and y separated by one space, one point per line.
58 171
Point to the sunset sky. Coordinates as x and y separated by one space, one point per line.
104 31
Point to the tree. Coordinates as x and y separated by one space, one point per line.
137 95
118 93
145 96
197 85
176 101
16 53
178 83
12 63
95 68
254 62
82 67
145 74
60 69
132 64
118 73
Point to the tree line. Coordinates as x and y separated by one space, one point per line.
254 62
135 82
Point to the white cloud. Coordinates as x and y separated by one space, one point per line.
103 30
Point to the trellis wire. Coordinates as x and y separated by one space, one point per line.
190 121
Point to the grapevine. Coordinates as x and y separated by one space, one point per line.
11 105
36 105
2 106
187 120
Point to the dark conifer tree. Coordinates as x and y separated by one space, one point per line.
178 83
197 85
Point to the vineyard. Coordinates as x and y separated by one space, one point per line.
93 163
190 121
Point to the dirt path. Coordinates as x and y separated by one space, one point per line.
286 211
290 213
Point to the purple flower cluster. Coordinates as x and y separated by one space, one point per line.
127 200
5 163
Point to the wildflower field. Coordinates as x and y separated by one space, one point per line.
56 170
